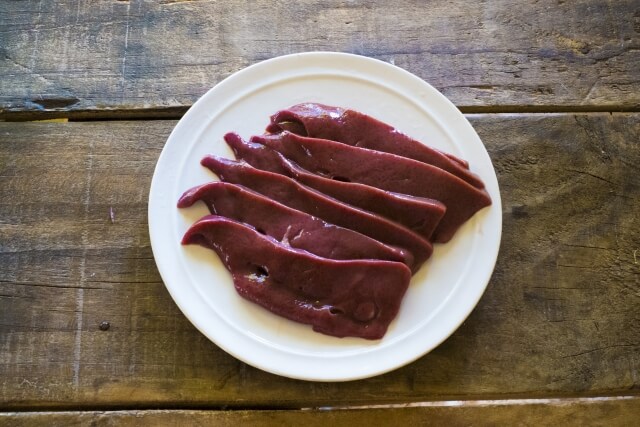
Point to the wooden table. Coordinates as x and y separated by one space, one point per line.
88 332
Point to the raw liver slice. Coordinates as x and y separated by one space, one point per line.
257 155
295 228
416 213
356 298
385 171
419 214
357 129
302 198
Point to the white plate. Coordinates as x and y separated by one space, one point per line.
441 294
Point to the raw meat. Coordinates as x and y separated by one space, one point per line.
289 226
352 298
385 171
297 196
360 130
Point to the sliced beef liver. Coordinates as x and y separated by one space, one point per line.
416 213
257 155
385 171
360 130
419 214
354 298
297 196
290 226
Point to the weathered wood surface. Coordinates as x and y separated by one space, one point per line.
614 412
116 57
560 316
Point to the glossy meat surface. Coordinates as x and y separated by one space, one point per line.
360 130
419 214
321 206
355 298
385 171
289 226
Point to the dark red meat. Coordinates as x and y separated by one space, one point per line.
289 226
297 196
356 298
419 214
357 129
257 155
385 171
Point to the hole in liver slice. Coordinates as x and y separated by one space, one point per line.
262 271
340 178
335 310
261 231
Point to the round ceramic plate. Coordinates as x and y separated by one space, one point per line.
441 295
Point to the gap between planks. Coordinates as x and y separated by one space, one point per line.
490 401
176 113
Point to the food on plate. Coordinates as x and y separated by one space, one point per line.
360 130
355 298
385 171
257 155
289 192
323 219
417 213
289 226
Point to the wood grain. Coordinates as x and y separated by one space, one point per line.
599 412
113 58
560 316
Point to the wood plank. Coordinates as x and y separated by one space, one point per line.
560 316
608 412
79 59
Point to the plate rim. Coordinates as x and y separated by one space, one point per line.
193 312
